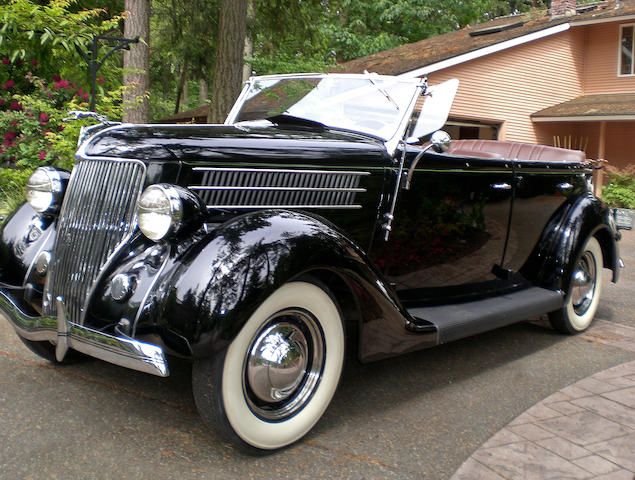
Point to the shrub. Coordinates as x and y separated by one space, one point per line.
619 191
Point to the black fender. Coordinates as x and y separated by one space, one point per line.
23 235
552 261
216 285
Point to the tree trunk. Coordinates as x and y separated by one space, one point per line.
202 92
228 71
249 43
136 62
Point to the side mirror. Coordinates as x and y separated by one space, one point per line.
440 141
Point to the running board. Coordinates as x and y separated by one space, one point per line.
460 320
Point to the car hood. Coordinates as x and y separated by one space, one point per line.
220 143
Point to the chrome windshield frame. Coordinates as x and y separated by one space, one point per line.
391 143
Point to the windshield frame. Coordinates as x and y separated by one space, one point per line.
405 115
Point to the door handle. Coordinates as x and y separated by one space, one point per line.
501 186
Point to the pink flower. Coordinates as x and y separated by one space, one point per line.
8 84
44 118
62 83
6 61
100 79
14 123
86 96
2 102
9 136
15 106
42 155
56 78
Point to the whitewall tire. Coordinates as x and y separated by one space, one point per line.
583 296
279 374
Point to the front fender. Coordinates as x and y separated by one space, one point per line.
216 286
552 261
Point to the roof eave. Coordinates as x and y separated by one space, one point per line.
585 118
481 52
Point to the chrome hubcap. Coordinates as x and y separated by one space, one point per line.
284 364
583 283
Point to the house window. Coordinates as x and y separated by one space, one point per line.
627 48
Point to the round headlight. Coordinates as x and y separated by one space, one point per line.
45 189
159 211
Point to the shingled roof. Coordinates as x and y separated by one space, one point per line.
418 55
590 107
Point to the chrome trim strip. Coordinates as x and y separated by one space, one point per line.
277 170
244 207
277 189
121 351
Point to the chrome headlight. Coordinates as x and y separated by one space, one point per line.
159 211
45 189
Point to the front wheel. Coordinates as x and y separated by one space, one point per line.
279 374
583 296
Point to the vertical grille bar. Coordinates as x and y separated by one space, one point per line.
97 217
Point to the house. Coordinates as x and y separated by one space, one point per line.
564 77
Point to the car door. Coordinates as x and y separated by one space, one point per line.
449 229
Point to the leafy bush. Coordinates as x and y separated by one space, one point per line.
620 189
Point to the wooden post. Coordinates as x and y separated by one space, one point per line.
598 173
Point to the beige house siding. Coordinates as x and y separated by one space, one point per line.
507 87
601 54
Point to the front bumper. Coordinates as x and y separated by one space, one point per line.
64 334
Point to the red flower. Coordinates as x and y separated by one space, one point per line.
100 79
6 61
15 106
2 102
34 63
8 84
62 83
14 123
42 155
9 136
44 118
86 96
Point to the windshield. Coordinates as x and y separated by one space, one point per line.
369 104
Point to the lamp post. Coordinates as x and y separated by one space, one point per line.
90 56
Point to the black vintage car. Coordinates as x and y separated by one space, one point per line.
322 209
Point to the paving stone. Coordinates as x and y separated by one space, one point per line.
541 412
503 437
566 408
608 409
573 391
584 428
556 397
473 470
624 370
529 462
619 475
595 386
596 465
564 448
522 419
531 432
620 451
621 381
625 397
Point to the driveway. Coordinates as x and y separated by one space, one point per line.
418 416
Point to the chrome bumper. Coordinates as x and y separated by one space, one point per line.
65 334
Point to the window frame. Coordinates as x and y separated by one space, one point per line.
619 51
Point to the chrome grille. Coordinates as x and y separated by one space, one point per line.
247 188
98 215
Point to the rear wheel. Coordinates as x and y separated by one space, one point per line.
584 291
279 374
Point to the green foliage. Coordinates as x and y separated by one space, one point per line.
12 184
41 75
620 190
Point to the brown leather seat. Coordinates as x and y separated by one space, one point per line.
515 151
